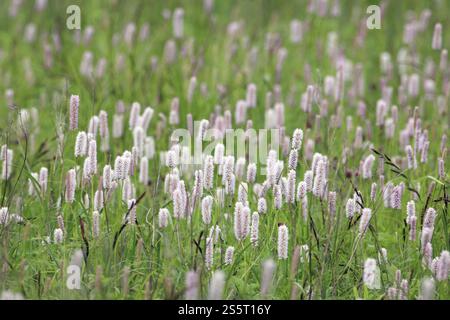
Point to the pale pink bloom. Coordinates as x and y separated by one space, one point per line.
365 220
412 228
95 224
427 255
7 164
441 168
208 171
290 187
177 23
31 181
219 152
149 147
262 206
171 159
254 233
358 143
58 236
443 266
119 168
369 275
4 216
320 179
207 203
296 31
251 173
229 253
163 217
410 210
94 123
174 117
43 179
146 118
138 140
396 198
81 144
332 203
443 61
430 216
367 167
216 286
427 291
192 285
293 159
426 236
132 211
134 114
127 190
197 191
268 270
251 95
117 125
86 170
308 178
373 191
412 164
301 190
209 253
437 37
242 192
297 138
279 114
103 124
241 112
179 205
60 221
424 154
107 177
143 171
241 221
92 154
98 200
214 233
191 89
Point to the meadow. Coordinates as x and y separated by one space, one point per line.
215 149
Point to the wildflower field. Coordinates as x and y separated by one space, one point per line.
216 149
